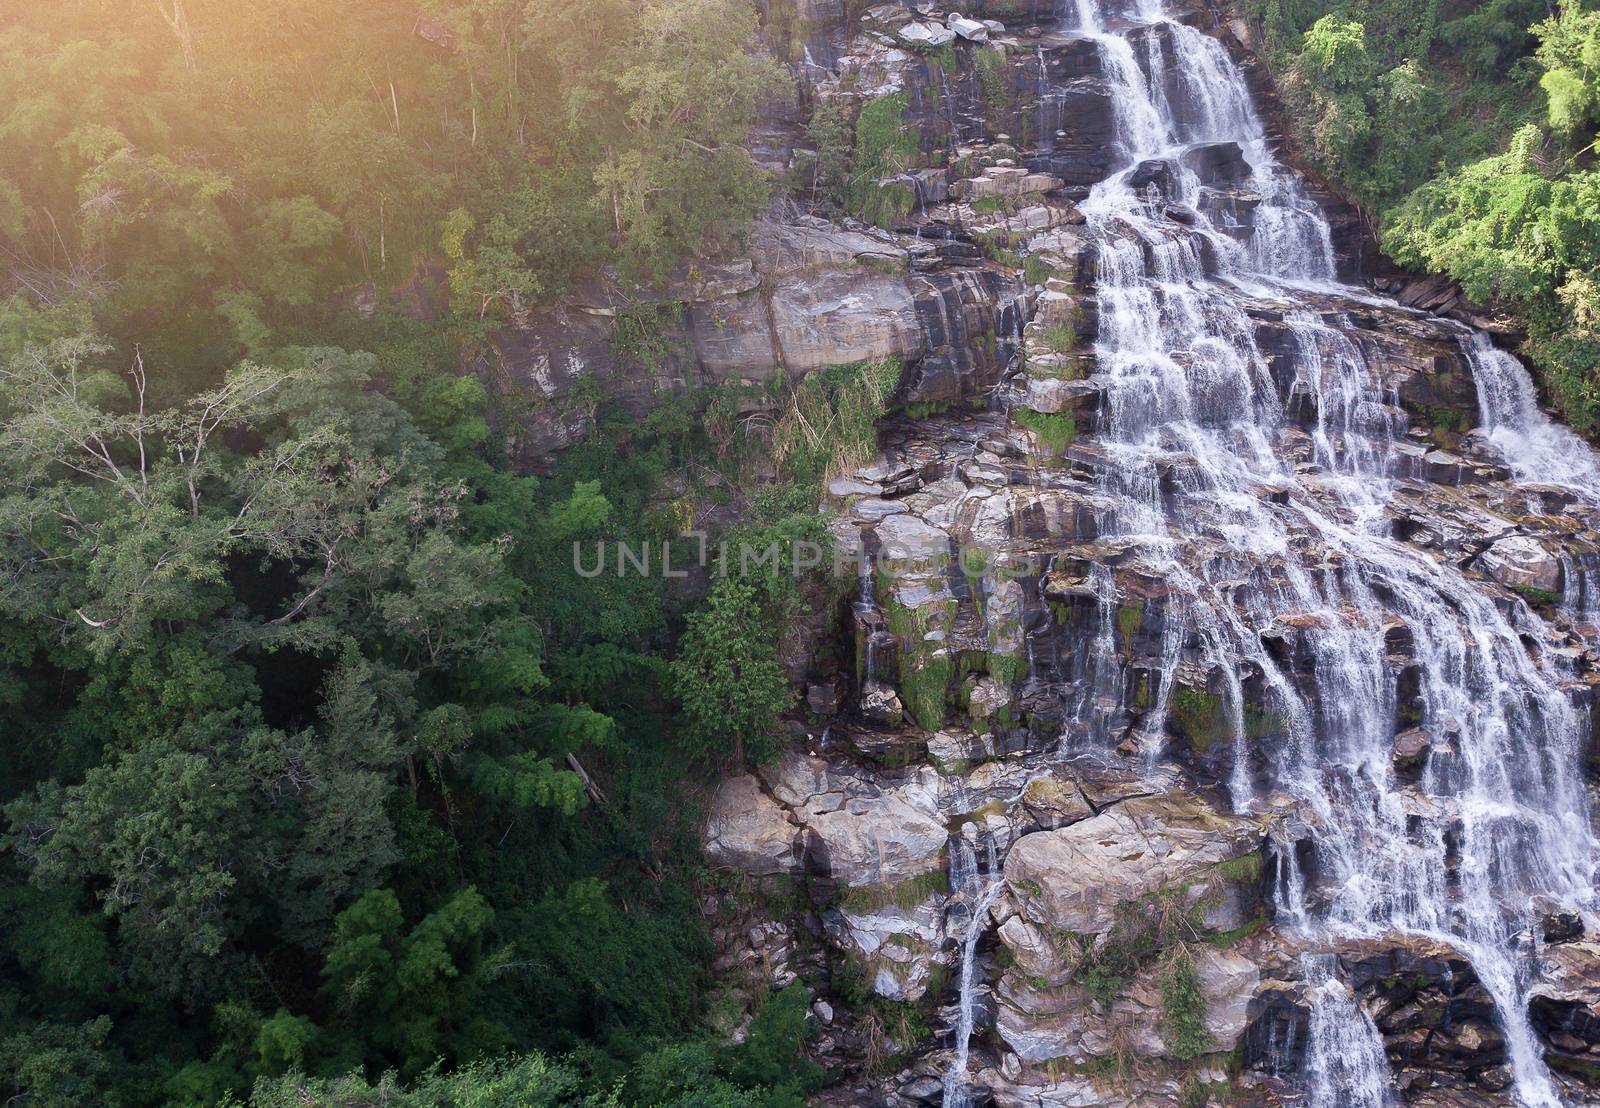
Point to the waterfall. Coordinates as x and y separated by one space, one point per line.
1346 1063
1194 427
1534 446
976 890
868 616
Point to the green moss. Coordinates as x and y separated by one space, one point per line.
1027 886
925 686
923 409
865 899
1185 1005
1143 692
1538 598
926 669
1204 720
1054 430
1129 617
1244 870
940 59
1444 425
988 205
1152 930
884 147
997 100
1581 1068
1004 668
1224 939
1201 716
1060 338
1196 1093
1036 271
887 204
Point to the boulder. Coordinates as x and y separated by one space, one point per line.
834 318
1219 164
970 29
907 537
747 830
926 35
783 249
796 778
898 946
881 704
1521 562
1072 879
986 697
1159 174
874 840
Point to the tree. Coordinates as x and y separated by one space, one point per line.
728 678
1569 50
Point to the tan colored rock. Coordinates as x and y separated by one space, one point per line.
834 318
1227 981
782 249
882 839
747 830
1055 802
1072 879
1520 562
1003 182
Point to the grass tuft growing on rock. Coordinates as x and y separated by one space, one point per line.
1055 431
864 900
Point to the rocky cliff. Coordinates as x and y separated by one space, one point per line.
1223 657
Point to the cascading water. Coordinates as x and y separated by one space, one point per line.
1345 1065
1193 429
974 889
1535 448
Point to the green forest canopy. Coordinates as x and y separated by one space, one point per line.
293 703
294 692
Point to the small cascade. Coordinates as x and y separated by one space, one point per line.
1345 1062
868 617
1580 592
1535 447
972 890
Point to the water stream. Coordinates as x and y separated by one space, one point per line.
974 888
1195 426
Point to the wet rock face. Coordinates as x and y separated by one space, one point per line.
1435 1018
812 295
1058 764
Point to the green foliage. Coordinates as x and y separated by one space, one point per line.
906 895
515 1082
1569 51
829 425
61 1066
321 762
884 147
1144 932
992 78
728 678
1055 431
1431 118
926 669
1036 271
1510 233
243 165
1185 1007
1539 598
1060 338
